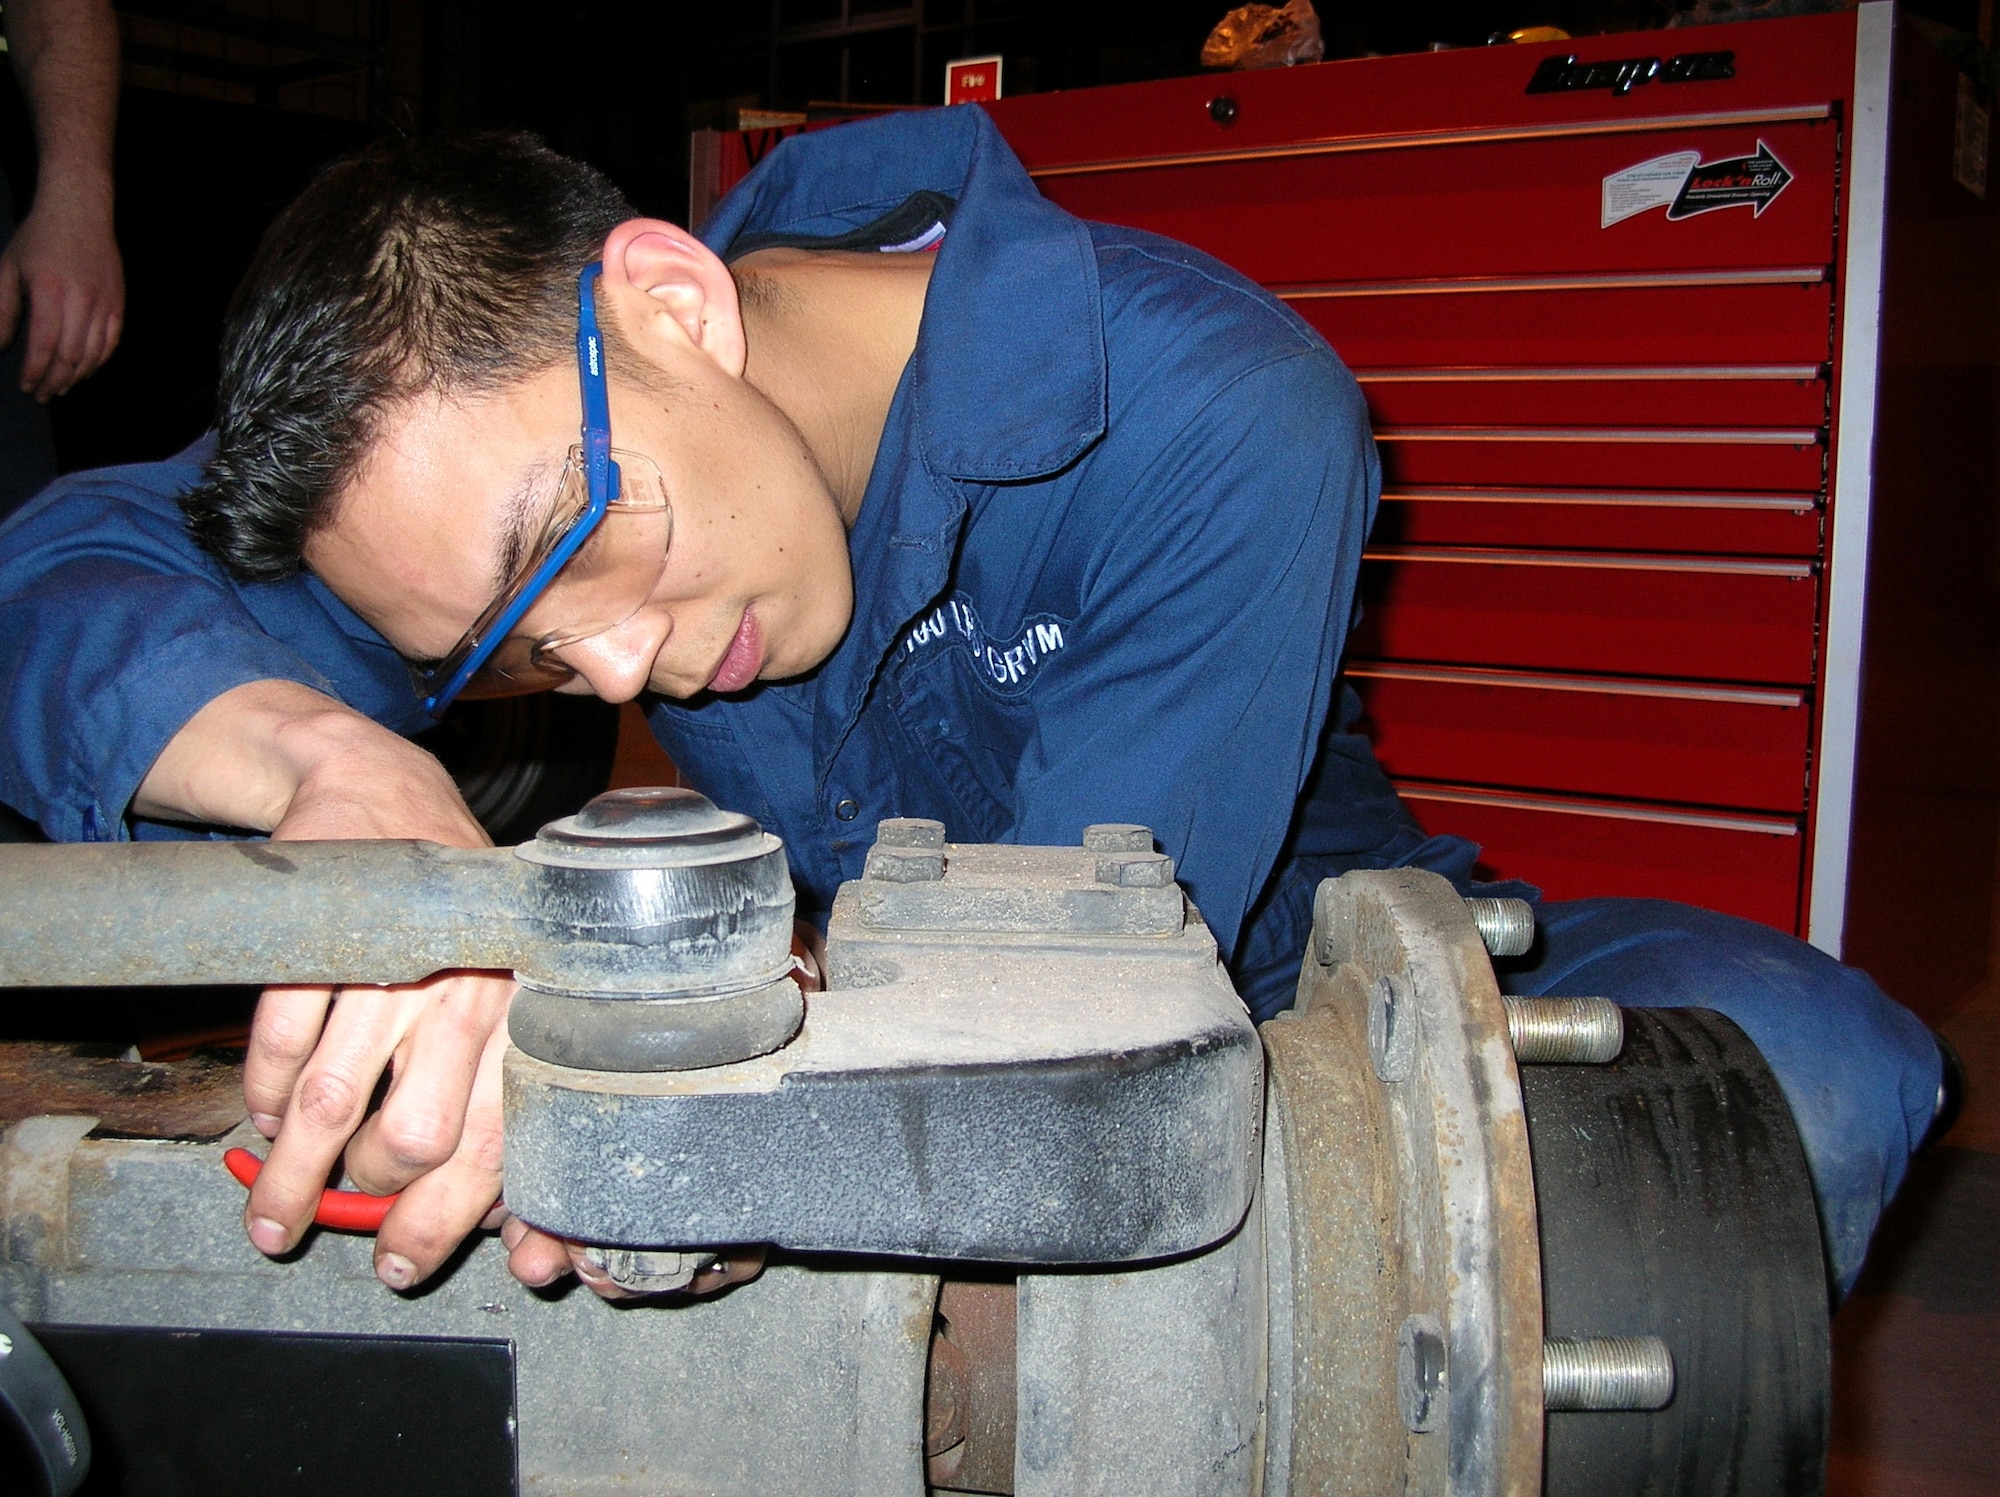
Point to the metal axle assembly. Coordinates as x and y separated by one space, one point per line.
1047 1217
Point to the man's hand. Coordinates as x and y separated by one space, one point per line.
63 265
62 262
277 756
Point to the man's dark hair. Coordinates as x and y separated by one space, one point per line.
446 264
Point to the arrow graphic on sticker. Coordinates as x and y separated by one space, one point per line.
1686 186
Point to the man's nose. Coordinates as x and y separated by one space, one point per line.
618 662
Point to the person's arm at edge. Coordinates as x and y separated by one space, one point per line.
63 259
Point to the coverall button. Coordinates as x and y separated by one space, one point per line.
847 810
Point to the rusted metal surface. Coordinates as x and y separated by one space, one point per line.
976 1320
1407 1208
198 1099
945 1398
1333 1367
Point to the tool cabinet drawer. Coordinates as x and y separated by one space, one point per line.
1684 617
1506 203
1776 458
1774 315
1699 743
1572 848
1770 524
1593 395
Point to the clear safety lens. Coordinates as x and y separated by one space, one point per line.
608 580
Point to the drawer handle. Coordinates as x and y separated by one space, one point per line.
1721 436
1640 280
1618 561
1616 810
1340 146
1744 696
1559 373
1449 494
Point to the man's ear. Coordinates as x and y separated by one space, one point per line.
671 292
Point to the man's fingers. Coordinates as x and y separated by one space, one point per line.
44 334
436 1211
67 303
282 1036
94 349
327 1104
431 1218
737 1265
419 1125
534 1257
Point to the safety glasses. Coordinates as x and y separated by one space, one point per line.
594 563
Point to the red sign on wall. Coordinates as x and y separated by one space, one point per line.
971 78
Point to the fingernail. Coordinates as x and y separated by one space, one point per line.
268 1236
395 1270
265 1124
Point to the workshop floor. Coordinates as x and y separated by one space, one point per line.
1916 1349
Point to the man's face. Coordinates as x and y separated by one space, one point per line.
756 586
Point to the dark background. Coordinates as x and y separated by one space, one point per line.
228 108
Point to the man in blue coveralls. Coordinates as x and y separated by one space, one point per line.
929 500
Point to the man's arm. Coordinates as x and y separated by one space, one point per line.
135 677
63 259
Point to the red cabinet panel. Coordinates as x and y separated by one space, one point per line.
1560 321
1629 520
1810 60
1740 866
1599 614
1712 746
1483 207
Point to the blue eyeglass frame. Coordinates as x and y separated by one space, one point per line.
601 476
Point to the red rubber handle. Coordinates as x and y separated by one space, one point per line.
342 1210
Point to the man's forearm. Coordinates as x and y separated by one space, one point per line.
243 759
65 53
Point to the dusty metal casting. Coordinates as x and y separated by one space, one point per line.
1017 1059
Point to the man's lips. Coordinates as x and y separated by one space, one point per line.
744 658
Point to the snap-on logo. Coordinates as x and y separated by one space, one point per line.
1562 75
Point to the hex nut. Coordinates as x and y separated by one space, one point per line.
910 831
647 1270
1135 870
1117 836
901 865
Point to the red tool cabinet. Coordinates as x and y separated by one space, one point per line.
1686 399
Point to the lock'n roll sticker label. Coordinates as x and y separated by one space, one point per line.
1686 186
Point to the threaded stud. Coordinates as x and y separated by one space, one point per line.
1565 1031
1606 1372
1507 926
